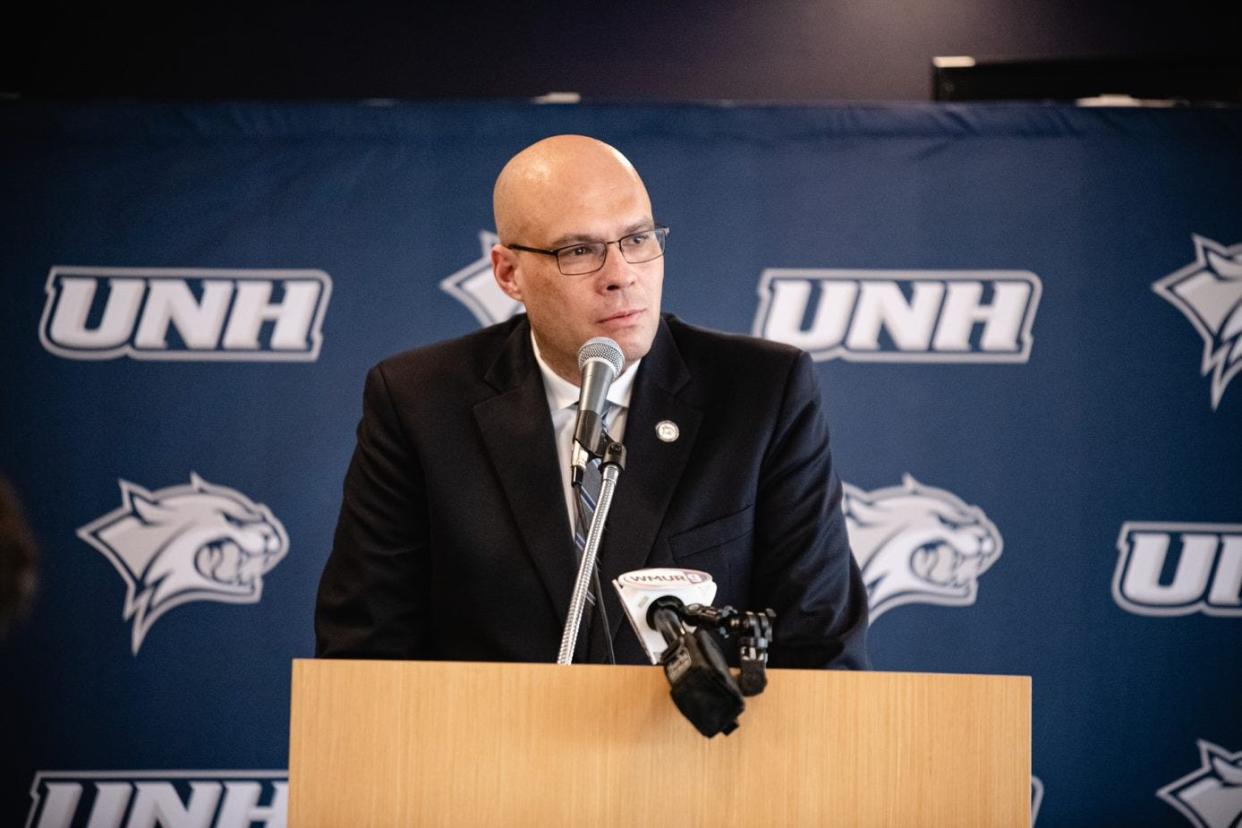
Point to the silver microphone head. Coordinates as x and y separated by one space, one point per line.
601 347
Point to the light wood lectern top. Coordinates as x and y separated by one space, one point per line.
385 743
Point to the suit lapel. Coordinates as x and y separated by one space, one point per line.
516 430
653 467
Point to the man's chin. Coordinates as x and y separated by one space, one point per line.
634 344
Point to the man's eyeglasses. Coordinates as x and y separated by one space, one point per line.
581 258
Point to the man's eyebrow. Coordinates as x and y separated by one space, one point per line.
569 238
574 238
639 226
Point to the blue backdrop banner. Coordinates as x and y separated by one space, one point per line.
1027 323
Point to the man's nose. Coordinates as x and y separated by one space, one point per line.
616 272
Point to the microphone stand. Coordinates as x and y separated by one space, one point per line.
612 463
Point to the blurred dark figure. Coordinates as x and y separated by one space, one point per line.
17 559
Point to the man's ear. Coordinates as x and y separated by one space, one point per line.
504 268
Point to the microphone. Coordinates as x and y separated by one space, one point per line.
600 360
670 610
699 680
641 589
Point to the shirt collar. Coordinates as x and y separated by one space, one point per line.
564 394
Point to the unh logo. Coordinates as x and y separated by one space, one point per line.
476 288
149 313
1207 576
1208 292
142 799
1211 795
900 315
186 543
918 544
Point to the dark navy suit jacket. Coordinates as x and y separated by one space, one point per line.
453 541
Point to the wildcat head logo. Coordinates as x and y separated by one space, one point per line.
1211 795
1208 292
918 544
476 288
199 542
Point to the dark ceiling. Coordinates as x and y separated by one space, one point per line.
642 50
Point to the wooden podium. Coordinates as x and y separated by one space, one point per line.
385 743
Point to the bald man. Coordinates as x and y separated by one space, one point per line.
455 535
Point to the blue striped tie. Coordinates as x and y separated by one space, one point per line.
585 499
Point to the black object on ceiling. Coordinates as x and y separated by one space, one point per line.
1195 80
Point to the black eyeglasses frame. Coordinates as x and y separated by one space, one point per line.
659 230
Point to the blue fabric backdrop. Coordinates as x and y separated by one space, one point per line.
195 293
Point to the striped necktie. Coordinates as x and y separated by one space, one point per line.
585 498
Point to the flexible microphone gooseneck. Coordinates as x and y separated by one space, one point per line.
600 361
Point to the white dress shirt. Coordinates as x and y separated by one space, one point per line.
562 403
